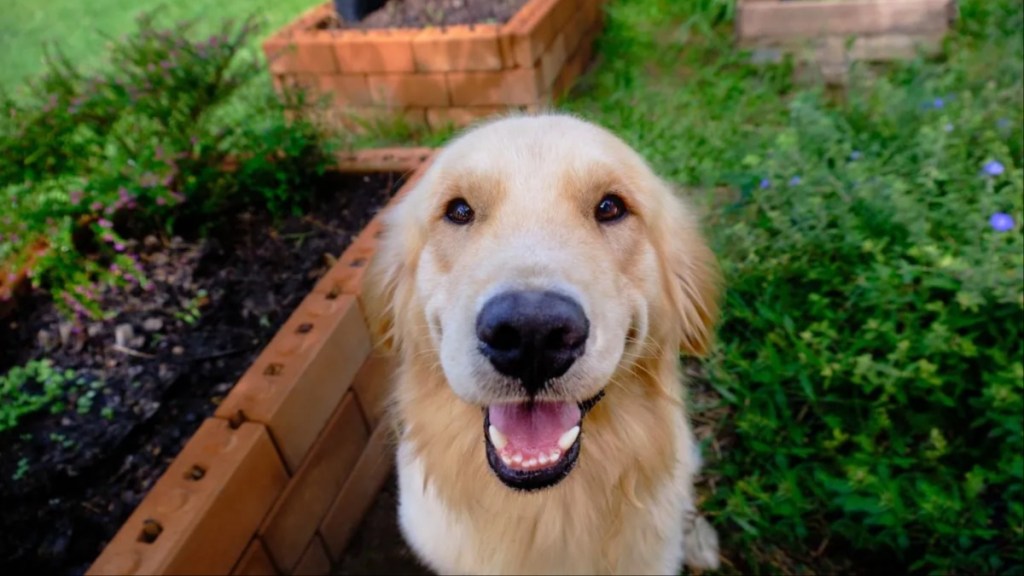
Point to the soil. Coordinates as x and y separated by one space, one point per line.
377 547
423 13
149 375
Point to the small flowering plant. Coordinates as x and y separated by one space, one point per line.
89 162
873 333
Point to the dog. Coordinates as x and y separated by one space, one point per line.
535 288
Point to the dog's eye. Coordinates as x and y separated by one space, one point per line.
459 212
610 208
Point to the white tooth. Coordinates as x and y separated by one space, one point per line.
530 463
565 442
517 458
506 459
497 438
543 459
553 457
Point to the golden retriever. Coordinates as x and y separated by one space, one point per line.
537 285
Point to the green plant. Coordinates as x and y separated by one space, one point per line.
189 312
22 470
873 339
35 386
173 133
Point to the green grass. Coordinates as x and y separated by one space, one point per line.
83 28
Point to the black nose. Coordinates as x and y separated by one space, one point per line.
532 336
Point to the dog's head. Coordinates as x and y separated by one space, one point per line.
538 258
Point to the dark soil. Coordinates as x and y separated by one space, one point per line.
377 547
422 13
148 376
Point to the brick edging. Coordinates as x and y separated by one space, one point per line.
436 76
299 436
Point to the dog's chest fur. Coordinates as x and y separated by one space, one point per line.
567 529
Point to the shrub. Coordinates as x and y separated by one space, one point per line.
873 337
87 160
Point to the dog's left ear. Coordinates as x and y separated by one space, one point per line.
694 277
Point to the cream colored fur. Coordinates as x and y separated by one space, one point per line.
649 286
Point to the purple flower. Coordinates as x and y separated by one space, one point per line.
855 155
96 206
75 196
765 184
108 237
938 103
160 201
994 168
795 180
1001 222
948 127
104 223
119 247
115 269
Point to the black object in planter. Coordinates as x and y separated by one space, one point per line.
356 10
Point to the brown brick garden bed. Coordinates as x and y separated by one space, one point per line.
174 432
279 476
437 75
833 33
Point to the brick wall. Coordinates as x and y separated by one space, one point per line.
436 76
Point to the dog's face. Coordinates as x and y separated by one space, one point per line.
540 257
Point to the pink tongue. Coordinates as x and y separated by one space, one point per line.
534 427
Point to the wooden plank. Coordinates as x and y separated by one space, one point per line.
812 18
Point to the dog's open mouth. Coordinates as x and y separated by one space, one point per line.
534 444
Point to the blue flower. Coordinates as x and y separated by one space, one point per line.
938 103
994 168
855 155
794 181
948 127
1001 222
765 184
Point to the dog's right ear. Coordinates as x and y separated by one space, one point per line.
385 294
694 278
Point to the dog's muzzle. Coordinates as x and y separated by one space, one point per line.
533 337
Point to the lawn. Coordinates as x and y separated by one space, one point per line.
82 28
863 405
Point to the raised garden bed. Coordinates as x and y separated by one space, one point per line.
279 476
434 64
833 33
147 379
